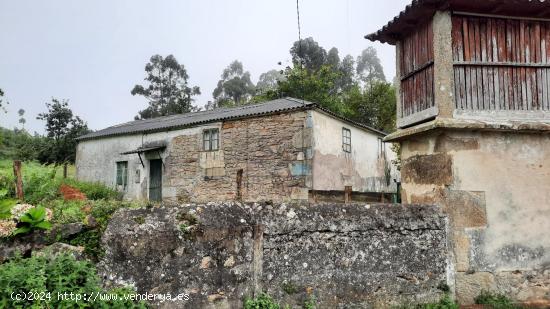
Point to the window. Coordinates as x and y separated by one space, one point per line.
211 139
346 140
122 174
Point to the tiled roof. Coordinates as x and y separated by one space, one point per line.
172 122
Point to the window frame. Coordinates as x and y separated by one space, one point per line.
121 174
346 140
208 139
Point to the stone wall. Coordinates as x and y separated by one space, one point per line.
494 188
343 256
268 150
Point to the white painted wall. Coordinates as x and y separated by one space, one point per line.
96 159
363 168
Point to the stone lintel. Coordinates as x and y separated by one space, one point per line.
540 126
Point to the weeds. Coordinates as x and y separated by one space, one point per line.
61 274
496 301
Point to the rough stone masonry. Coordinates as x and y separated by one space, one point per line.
342 256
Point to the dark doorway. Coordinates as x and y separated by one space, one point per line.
155 180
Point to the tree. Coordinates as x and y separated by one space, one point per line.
347 71
369 69
235 86
333 59
2 104
315 86
374 106
309 54
62 129
168 90
22 120
269 81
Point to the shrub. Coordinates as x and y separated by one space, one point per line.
67 211
263 301
102 211
61 274
444 303
496 301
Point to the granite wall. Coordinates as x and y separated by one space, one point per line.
340 255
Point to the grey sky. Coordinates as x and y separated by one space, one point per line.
94 52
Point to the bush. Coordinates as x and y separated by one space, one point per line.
263 301
62 274
67 211
102 211
444 303
496 301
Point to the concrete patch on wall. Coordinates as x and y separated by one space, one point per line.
433 169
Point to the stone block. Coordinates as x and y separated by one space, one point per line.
433 169
469 286
465 208
298 193
462 251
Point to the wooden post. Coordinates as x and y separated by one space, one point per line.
65 170
347 194
18 179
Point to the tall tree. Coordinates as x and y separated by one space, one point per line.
374 106
315 86
369 69
168 90
22 120
269 81
62 129
2 104
235 86
309 53
333 59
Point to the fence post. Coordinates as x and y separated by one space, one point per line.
18 179
64 170
347 194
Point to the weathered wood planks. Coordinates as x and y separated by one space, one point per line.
501 64
417 71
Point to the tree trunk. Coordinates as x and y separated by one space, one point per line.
65 170
18 179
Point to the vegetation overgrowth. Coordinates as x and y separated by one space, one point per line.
45 208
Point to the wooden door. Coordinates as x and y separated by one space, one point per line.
155 180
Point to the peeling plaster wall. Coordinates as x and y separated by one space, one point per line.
495 188
363 168
96 160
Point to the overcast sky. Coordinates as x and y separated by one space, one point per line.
94 52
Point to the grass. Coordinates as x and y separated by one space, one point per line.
41 185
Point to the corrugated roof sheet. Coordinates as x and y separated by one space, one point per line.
420 10
172 122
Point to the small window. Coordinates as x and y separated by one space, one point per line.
211 139
346 140
122 174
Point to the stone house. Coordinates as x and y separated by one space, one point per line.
281 150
